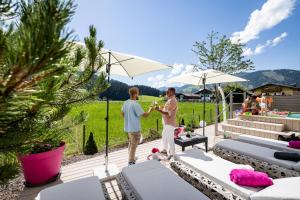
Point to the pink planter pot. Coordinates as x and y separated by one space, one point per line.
42 168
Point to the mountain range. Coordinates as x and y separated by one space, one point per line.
257 78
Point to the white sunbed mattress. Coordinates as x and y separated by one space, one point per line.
151 180
86 188
254 151
216 169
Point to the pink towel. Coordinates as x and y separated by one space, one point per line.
294 144
251 178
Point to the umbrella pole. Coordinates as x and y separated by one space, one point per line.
107 112
203 81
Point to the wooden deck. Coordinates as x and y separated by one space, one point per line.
84 168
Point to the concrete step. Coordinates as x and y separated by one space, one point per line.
253 131
257 124
229 134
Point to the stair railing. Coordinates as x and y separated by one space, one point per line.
228 107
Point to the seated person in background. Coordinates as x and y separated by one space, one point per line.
244 105
270 101
263 103
251 105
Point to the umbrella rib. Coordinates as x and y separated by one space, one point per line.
121 61
122 66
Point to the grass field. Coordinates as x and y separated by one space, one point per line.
145 98
96 123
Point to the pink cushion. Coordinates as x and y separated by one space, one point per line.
294 144
251 178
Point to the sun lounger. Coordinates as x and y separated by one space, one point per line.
86 188
269 143
260 158
151 180
210 174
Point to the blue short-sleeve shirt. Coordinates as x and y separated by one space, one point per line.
132 114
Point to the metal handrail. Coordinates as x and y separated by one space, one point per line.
227 107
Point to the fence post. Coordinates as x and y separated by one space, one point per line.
231 106
244 96
193 113
216 119
157 129
83 137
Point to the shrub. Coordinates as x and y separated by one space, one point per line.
153 134
182 122
91 146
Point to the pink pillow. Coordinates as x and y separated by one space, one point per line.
294 144
251 178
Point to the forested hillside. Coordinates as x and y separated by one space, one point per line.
119 91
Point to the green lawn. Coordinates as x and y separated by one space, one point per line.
145 98
96 122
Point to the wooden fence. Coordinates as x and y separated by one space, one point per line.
287 103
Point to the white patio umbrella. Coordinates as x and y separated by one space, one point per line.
129 66
205 77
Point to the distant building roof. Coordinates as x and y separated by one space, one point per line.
188 95
202 90
275 84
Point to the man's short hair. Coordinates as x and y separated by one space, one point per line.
133 91
172 90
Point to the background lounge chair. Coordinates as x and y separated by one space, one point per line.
260 158
269 143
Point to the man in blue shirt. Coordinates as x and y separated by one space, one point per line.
132 113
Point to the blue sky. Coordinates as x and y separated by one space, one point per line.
165 30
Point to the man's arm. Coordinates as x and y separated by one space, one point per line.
122 114
172 106
162 112
146 114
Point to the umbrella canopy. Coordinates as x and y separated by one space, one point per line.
211 76
129 65
204 77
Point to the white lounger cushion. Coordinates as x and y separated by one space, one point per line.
214 168
85 188
254 151
265 142
283 189
151 180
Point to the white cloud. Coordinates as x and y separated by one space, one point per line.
278 39
270 14
188 69
261 47
157 81
177 69
160 80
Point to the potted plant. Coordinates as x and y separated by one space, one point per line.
41 161
189 129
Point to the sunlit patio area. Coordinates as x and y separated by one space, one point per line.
84 168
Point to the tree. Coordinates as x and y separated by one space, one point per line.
91 146
42 74
220 53
236 88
